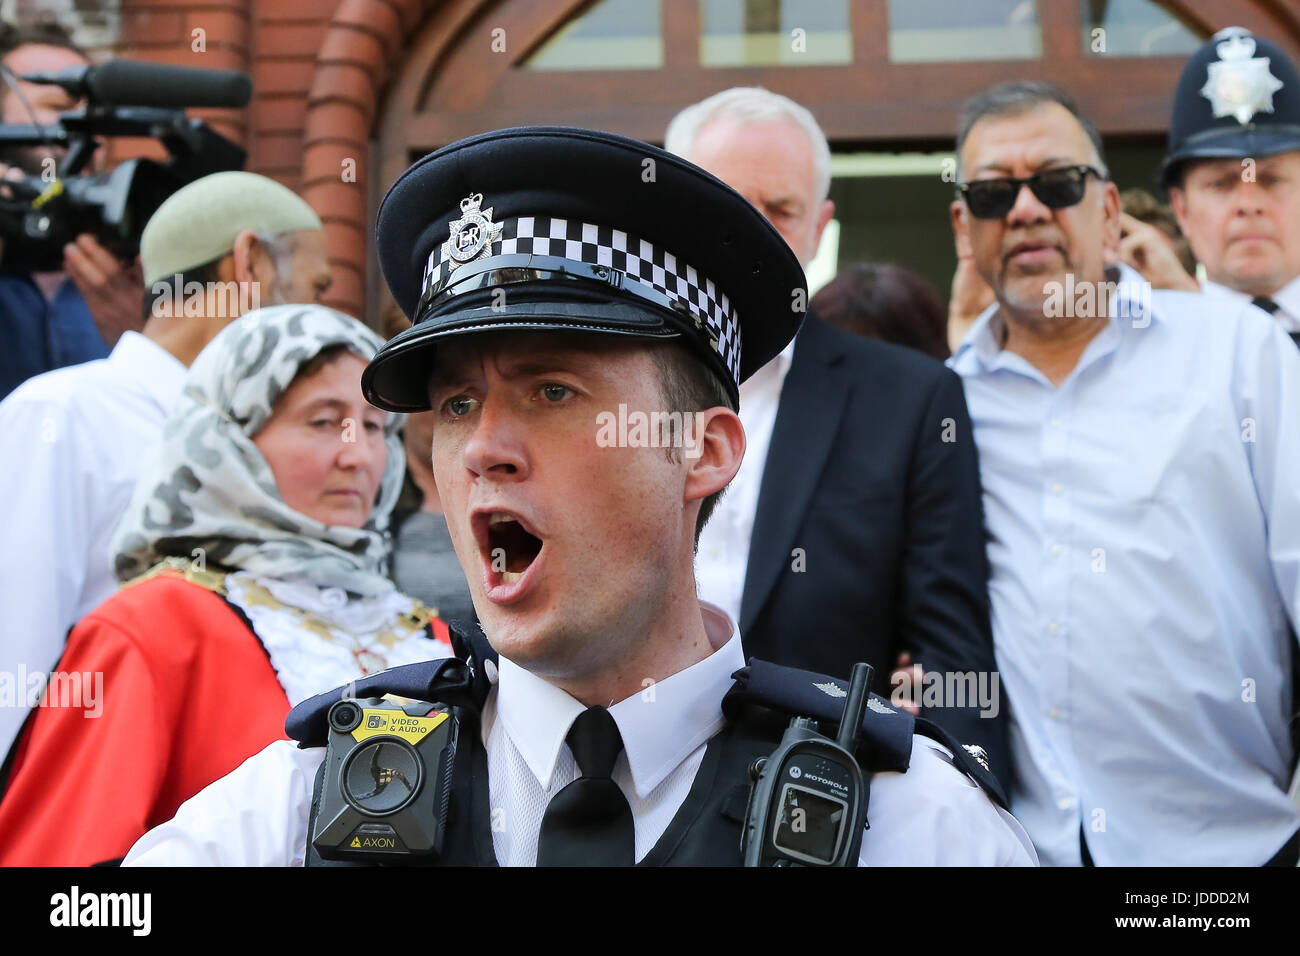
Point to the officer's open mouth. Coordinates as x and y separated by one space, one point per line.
508 546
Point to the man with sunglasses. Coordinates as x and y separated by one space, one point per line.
1137 452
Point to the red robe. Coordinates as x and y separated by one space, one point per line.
188 695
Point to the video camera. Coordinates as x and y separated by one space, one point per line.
40 214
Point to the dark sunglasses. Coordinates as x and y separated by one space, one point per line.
1054 188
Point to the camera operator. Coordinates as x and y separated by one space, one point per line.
218 247
49 320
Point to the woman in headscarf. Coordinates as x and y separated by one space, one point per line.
254 553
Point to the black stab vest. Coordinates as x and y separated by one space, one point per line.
706 830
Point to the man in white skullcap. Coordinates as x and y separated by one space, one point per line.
220 246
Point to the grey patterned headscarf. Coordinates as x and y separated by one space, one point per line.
207 485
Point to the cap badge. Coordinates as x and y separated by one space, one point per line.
1240 84
473 233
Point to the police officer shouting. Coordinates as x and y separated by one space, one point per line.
571 290
1233 170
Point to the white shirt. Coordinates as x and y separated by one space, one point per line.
75 437
723 555
1288 298
258 815
1144 549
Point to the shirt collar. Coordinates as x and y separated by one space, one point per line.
1210 287
982 341
786 355
1287 297
159 373
1133 302
771 375
661 725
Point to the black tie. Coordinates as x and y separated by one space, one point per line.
1271 307
589 822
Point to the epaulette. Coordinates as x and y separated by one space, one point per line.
884 737
463 680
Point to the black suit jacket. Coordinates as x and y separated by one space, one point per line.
886 518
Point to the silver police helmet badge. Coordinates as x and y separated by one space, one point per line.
1240 84
473 233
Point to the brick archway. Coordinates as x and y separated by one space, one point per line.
362 51
363 40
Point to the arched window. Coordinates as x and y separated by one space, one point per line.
737 33
611 35
1133 28
930 31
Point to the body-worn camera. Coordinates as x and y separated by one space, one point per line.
387 780
808 802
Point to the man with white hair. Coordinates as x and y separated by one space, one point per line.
218 247
854 529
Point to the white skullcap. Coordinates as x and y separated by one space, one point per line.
199 222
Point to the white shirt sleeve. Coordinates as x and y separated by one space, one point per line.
47 517
256 815
933 815
936 815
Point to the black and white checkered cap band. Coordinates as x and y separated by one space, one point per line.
603 246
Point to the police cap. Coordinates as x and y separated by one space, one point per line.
1239 95
552 228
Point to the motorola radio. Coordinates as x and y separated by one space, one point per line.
808 802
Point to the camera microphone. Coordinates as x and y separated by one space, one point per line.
133 83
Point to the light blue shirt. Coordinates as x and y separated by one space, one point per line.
1144 550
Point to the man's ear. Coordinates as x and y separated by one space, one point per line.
1111 228
252 262
713 453
960 229
1178 202
824 216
